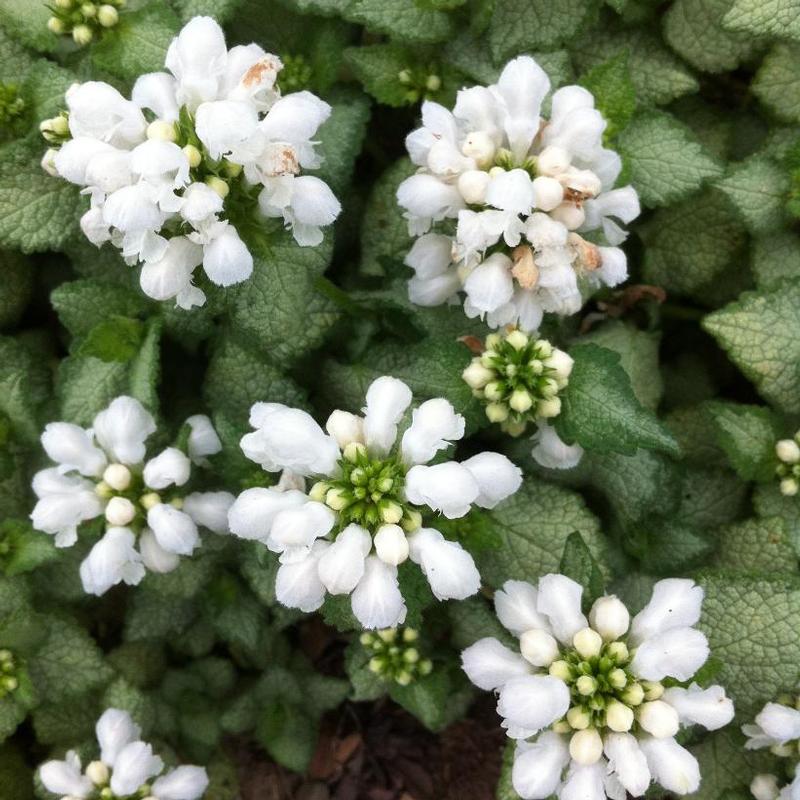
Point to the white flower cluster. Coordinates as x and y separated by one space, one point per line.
125 768
788 469
102 471
585 700
363 516
521 190
164 169
777 727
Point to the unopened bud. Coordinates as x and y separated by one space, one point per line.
586 685
578 718
391 545
336 499
789 487
88 10
619 717
193 155
548 408
561 670
120 511
538 647
618 651
652 690
476 375
473 184
788 451
82 35
609 616
520 400
376 665
633 695
569 215
560 362
547 192
98 773
410 635
55 25
412 520
318 492
494 391
497 412
218 185
354 451
586 746
162 131
765 787
552 161
391 512
659 719
147 501
117 476
107 16
103 490
617 678
404 76
411 655
517 339
48 162
434 83
588 643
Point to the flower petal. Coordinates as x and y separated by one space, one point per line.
182 783
154 556
209 509
536 773
72 447
341 566
174 530
449 568
171 467
134 766
376 601
489 664
532 702
497 477
677 653
448 487
675 603
707 707
254 510
386 402
112 560
122 428
516 608
559 599
298 585
226 259
627 762
434 426
779 722
672 766
114 730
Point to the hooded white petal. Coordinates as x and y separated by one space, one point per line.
254 510
584 782
209 509
489 664
516 608
677 653
203 439
496 476
112 560
627 762
295 118
672 766
551 452
224 126
99 111
449 568
490 286
511 191
434 291
72 159
298 585
675 603
294 530
156 91
171 273
341 566
448 487
171 467
181 783
64 502
288 438
72 447
122 429
133 209
154 556
376 601
174 530
200 203
559 599
532 702
114 730
226 260
430 255
134 766
428 198
386 402
537 769
435 425
779 722
313 202
345 428
65 778
707 707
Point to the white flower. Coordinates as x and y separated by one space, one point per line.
127 766
496 154
363 516
551 452
103 470
587 721
220 128
777 727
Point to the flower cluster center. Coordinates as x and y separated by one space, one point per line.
127 499
395 656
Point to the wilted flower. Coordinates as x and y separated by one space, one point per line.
585 698
103 470
126 768
164 169
364 514
522 190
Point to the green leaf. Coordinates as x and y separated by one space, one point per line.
69 662
777 82
747 434
696 434
690 246
517 26
138 43
23 549
775 257
758 188
16 288
15 774
27 23
365 684
12 714
710 497
436 700
638 351
378 66
279 309
37 211
67 722
600 412
751 624
578 563
693 28
24 388
614 92
534 525
124 695
671 545
288 734
84 304
115 339
403 20
666 162
474 619
761 334
779 18
757 545
221 10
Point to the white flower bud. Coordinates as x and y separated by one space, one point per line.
609 617
476 375
433 83
497 412
788 451
479 146
578 718
538 647
391 512
560 362
517 339
765 787
789 487
218 185
161 131
117 476
547 192
193 155
48 162
391 545
583 181
147 501
472 184
569 215
107 16
82 35
549 408
586 746
659 719
588 643
552 160
120 511
561 670
520 400
619 717
97 772
336 499
494 391
55 25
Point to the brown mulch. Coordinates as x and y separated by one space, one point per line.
379 752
